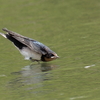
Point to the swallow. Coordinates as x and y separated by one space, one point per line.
30 48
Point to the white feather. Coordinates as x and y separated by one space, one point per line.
27 53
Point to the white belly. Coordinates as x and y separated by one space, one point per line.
27 53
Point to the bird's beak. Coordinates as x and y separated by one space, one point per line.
55 57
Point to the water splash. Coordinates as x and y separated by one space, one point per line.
73 98
89 66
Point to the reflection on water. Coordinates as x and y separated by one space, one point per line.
33 75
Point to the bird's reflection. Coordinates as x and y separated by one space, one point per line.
33 74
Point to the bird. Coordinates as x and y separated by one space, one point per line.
31 49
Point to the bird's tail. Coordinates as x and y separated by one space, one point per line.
4 35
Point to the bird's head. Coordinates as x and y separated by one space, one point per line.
50 57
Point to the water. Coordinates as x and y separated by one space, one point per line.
71 29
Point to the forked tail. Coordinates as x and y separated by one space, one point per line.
4 35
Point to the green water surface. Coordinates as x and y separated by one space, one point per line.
69 27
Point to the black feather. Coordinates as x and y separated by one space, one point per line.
16 42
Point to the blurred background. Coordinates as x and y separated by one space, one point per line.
71 29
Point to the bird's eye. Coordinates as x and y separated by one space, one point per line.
52 55
49 55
